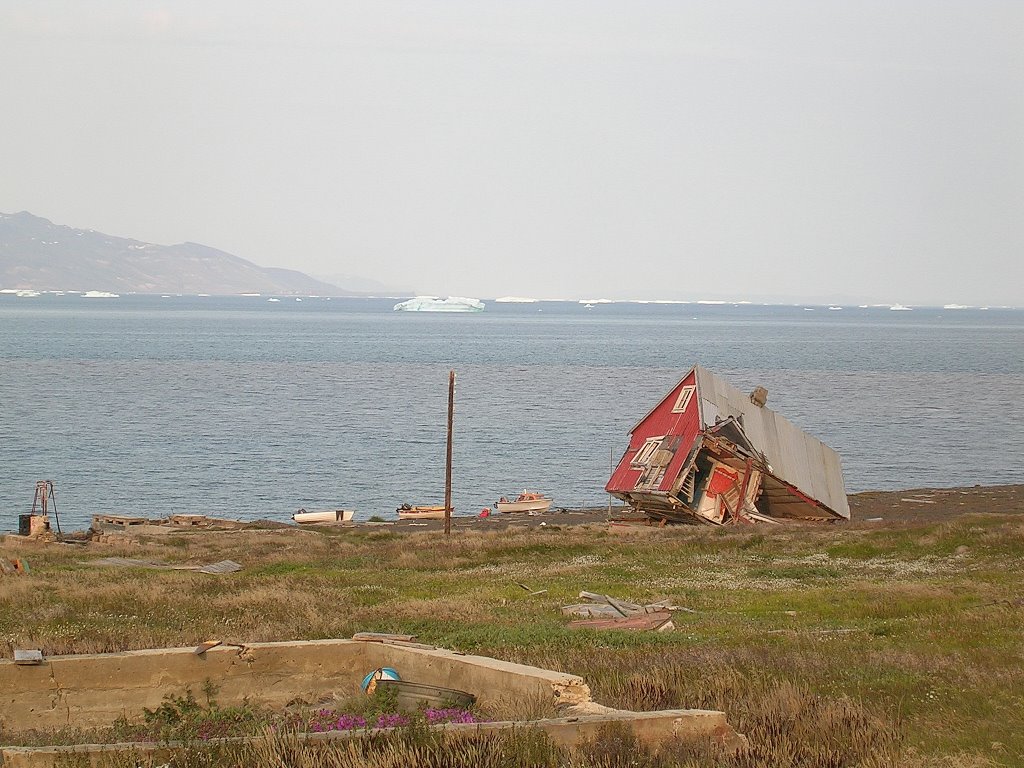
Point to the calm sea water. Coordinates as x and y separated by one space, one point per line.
248 409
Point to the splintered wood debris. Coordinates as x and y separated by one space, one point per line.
533 592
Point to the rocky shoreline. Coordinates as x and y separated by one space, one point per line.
916 506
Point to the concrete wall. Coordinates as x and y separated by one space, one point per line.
490 680
93 690
709 729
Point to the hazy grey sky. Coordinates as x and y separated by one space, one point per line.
873 150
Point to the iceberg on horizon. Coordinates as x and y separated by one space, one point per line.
515 300
659 301
435 304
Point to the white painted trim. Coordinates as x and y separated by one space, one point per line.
685 396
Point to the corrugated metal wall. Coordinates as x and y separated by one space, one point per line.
795 456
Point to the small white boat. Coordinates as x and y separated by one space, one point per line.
524 502
323 516
423 512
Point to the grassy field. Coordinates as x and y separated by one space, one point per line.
827 646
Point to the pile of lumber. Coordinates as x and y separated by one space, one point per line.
606 612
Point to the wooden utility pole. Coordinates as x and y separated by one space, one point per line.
448 456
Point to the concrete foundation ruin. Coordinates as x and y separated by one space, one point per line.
93 690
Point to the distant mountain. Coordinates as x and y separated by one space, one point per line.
36 253
365 285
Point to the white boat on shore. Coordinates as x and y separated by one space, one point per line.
323 516
531 503
424 512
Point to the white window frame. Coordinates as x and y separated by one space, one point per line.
642 459
685 396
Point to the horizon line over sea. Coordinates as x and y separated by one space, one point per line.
243 408
814 302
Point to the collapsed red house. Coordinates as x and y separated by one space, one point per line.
710 453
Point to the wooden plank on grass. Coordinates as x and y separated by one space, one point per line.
224 566
666 605
626 609
619 605
645 622
590 609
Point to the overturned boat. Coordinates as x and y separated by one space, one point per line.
710 453
421 512
323 516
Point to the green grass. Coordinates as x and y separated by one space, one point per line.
912 637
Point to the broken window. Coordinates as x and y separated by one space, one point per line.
643 456
684 398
